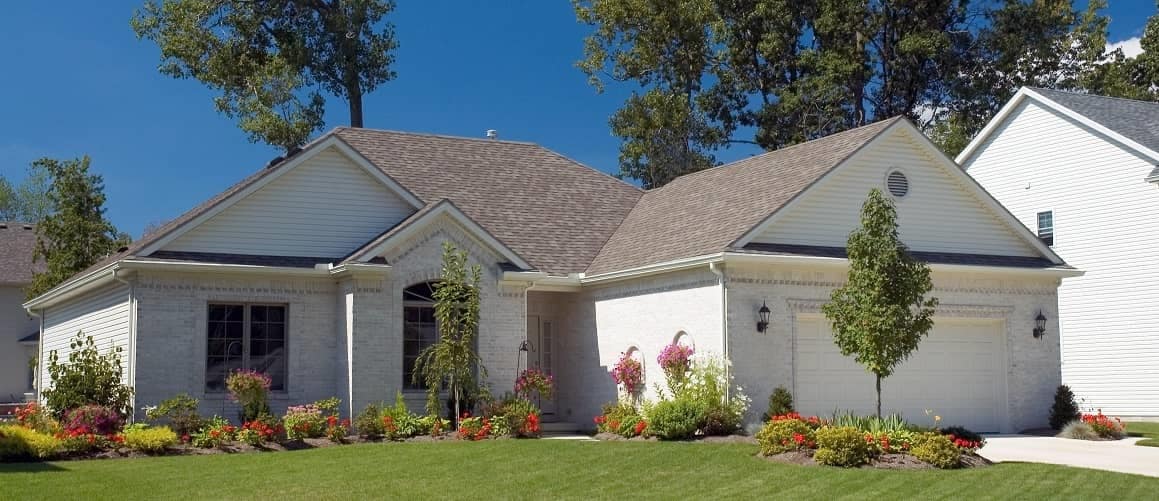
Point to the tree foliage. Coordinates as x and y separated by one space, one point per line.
881 314
89 377
271 60
27 202
452 359
76 234
773 73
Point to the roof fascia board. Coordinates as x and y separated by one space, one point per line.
79 284
653 269
772 219
1003 113
311 151
843 263
448 208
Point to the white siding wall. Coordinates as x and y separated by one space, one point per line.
15 323
326 207
937 214
102 314
1105 224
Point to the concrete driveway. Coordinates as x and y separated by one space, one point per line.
1119 455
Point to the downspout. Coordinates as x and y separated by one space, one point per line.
716 268
39 351
132 342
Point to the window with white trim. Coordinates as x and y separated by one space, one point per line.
419 329
1046 227
248 337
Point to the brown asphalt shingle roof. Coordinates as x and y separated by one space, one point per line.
705 212
17 243
551 210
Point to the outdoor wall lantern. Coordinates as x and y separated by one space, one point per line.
1039 325
763 323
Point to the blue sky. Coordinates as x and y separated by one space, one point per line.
77 81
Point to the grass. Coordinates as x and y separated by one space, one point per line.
1150 432
527 469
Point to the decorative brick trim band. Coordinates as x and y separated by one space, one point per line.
943 310
622 291
936 289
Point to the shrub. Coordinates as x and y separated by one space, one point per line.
785 435
474 428
369 422
264 429
304 421
94 419
33 416
719 420
88 378
398 421
216 432
938 450
336 429
150 440
842 446
675 419
621 419
432 425
179 412
251 389
533 381
1065 409
18 443
780 403
1104 426
963 438
1078 430
707 386
515 416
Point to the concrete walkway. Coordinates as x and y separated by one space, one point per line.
1119 455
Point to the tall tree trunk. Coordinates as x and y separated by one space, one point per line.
455 396
878 397
354 96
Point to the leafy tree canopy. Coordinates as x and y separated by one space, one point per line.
27 202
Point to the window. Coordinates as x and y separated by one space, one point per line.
1046 227
245 336
419 329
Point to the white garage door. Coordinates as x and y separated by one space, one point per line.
956 373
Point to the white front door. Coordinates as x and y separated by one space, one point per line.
956 373
541 353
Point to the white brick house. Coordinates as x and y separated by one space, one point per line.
316 270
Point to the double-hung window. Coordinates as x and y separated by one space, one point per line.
245 336
1046 227
419 329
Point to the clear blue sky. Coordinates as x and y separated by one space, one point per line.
77 81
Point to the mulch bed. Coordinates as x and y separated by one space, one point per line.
238 448
882 462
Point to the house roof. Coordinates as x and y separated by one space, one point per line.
1137 120
553 211
705 212
17 244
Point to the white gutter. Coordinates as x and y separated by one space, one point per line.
715 267
68 288
652 269
132 341
840 262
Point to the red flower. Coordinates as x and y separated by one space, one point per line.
640 427
599 419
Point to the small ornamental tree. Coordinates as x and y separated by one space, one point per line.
881 314
1065 409
88 378
452 359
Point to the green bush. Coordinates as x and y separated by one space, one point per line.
719 420
938 450
150 440
398 421
179 413
369 422
621 419
842 446
785 435
780 403
1065 409
88 378
514 416
1078 430
675 419
18 443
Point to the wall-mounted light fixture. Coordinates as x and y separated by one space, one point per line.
1039 326
763 320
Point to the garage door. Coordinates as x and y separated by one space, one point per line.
956 373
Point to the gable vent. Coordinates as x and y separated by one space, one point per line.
897 184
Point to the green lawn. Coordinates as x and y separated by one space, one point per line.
1148 430
539 469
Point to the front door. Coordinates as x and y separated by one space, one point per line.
540 355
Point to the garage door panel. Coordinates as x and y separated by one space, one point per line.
956 373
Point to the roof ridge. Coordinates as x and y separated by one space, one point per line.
879 123
1088 94
435 135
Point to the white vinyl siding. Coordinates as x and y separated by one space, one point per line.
102 314
937 214
326 207
1104 224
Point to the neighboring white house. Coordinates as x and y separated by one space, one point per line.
318 270
19 331
1082 171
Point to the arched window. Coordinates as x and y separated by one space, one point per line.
682 338
419 329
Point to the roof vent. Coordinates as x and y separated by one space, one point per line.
897 184
28 226
275 161
3 226
492 134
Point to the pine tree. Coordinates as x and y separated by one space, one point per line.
1065 409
